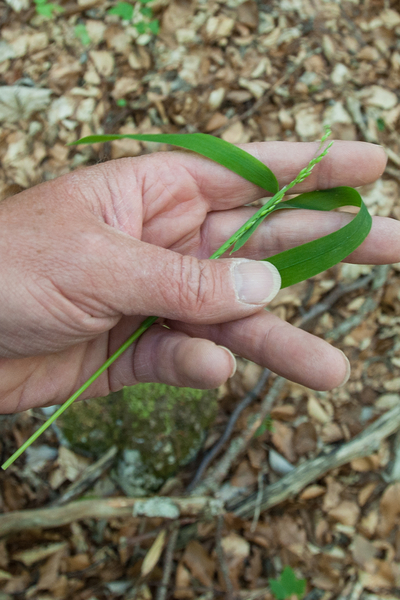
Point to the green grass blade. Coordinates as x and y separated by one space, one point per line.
298 264
233 158
141 329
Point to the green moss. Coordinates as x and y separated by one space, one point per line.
165 424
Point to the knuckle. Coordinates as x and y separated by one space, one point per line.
196 285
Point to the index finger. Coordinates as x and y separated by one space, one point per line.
347 163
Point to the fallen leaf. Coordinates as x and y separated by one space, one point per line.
389 509
347 513
199 563
183 583
153 555
236 550
18 102
34 555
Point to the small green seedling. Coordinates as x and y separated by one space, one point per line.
287 585
266 425
380 123
47 9
122 102
294 265
82 34
127 12
123 10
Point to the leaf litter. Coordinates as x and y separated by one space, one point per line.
305 64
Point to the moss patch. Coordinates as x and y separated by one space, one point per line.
165 424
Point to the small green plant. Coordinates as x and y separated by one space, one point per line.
380 123
47 9
294 265
287 585
122 102
82 34
266 425
127 12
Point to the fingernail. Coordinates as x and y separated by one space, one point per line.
233 360
348 370
256 282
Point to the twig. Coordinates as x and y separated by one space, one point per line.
344 327
47 518
354 108
91 474
395 470
379 279
393 172
290 485
169 555
239 445
215 450
331 298
230 595
257 510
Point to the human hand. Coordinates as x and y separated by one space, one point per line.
85 256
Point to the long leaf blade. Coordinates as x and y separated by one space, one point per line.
312 258
237 160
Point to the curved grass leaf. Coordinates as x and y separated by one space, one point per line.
312 258
233 158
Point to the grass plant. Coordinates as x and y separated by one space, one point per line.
294 265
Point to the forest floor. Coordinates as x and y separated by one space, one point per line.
317 488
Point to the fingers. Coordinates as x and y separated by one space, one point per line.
115 274
171 357
286 350
347 163
290 228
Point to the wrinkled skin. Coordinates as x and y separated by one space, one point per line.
85 256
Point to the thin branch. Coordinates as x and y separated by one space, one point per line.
330 299
47 518
168 561
257 510
239 444
379 279
290 485
230 594
89 476
393 172
215 450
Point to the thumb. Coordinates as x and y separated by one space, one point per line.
136 278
